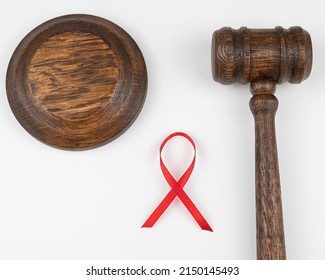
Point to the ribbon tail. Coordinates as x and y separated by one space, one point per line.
161 208
196 214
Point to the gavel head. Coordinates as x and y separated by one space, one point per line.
248 55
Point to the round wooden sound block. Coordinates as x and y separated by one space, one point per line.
76 82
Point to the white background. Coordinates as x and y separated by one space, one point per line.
57 204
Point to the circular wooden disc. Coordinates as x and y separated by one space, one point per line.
76 82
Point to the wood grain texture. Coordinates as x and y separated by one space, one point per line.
76 82
264 58
269 218
246 55
78 77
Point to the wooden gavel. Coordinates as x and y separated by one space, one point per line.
264 58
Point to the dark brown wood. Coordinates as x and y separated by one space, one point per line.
264 57
269 219
76 82
247 55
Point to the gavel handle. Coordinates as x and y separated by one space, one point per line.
269 219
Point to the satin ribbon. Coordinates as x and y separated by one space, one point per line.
177 189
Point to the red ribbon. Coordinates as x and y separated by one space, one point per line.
177 189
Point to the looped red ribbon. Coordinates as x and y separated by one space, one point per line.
177 189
